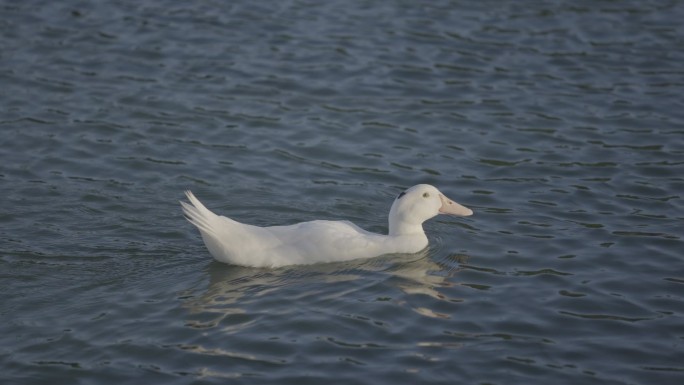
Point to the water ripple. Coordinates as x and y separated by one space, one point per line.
559 124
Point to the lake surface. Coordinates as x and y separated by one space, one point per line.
560 123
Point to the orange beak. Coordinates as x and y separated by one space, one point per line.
452 208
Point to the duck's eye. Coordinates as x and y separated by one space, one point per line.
426 195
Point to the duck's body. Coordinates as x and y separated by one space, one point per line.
237 243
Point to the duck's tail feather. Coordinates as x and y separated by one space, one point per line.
199 215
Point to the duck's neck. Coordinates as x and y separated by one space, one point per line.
397 228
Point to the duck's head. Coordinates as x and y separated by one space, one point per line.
418 204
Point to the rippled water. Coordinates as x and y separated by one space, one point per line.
561 123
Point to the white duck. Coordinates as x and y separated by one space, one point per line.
237 243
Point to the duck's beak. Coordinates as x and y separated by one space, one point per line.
452 208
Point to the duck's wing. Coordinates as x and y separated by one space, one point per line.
326 241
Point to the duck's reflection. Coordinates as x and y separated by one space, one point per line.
233 289
426 276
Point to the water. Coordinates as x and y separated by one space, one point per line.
560 123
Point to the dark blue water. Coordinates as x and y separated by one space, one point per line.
561 123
